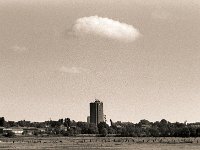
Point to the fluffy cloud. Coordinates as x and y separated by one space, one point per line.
105 27
19 49
74 70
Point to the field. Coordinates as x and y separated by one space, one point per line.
105 143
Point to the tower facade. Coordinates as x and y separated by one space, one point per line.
96 112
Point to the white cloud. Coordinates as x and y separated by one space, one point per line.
19 49
105 27
74 70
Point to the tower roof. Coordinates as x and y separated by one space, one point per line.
96 100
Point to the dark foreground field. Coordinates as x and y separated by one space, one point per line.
105 143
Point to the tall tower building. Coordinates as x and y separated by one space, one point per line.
96 112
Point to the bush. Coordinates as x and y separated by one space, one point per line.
10 134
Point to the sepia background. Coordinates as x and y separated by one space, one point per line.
49 69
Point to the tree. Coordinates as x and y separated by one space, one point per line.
154 132
54 123
61 121
104 132
101 127
185 132
111 130
163 128
192 131
144 122
84 127
198 132
92 129
2 121
138 131
9 134
67 122
128 129
77 130
163 122
10 123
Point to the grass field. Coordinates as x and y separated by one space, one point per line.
106 143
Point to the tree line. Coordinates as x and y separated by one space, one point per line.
145 128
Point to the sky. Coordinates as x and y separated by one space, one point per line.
140 58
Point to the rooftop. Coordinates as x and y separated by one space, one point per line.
97 101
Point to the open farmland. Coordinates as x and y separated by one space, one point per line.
105 143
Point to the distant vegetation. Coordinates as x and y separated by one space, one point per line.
145 128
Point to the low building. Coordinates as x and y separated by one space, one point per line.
6 131
42 130
29 130
17 131
63 128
